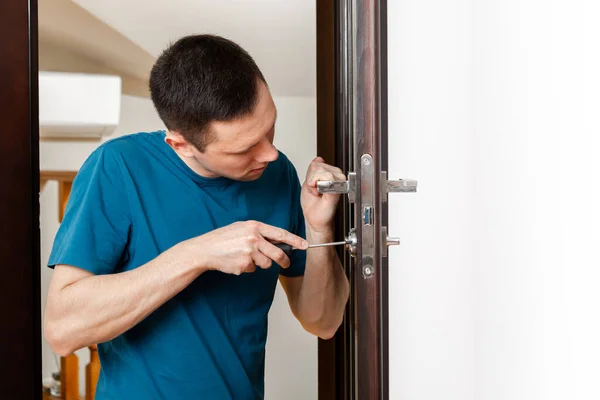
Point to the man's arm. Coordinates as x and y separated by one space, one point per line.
84 309
318 299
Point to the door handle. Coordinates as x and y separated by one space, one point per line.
333 186
340 187
397 186
349 186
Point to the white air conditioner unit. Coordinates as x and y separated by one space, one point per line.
77 105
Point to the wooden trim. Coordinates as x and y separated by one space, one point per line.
69 377
326 75
92 372
355 363
330 352
61 176
64 191
20 347
371 372
346 361
384 156
65 183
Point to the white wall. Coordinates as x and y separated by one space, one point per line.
431 140
296 137
291 365
494 109
537 201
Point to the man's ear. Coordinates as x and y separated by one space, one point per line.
179 144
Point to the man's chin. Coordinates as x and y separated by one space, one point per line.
253 175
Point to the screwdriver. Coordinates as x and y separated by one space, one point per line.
287 249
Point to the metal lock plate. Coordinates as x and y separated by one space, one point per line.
368 209
367 228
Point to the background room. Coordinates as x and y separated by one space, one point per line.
491 106
122 40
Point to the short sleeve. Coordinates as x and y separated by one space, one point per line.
95 229
298 258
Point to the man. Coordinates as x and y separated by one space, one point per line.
165 256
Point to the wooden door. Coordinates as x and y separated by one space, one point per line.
20 347
352 134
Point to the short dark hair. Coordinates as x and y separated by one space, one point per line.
200 79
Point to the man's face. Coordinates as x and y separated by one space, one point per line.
241 149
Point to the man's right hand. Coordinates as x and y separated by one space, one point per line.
84 309
241 246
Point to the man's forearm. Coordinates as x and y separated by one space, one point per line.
84 309
98 308
325 288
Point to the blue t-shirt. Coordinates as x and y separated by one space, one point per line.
133 199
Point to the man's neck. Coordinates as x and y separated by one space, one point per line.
195 166
198 168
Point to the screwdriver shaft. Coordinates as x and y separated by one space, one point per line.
327 244
287 249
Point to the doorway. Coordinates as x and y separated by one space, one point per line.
354 363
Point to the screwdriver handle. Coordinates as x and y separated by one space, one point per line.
287 249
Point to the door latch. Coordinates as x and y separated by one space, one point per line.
387 241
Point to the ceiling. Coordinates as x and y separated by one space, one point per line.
279 34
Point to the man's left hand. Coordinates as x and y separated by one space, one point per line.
319 209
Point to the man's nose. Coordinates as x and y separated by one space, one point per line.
268 152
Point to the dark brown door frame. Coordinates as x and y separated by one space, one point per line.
371 128
329 352
20 347
354 364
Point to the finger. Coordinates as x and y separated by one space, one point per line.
276 234
261 260
315 163
312 190
338 173
321 175
250 266
274 253
329 167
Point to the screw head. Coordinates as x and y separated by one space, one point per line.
368 271
366 161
